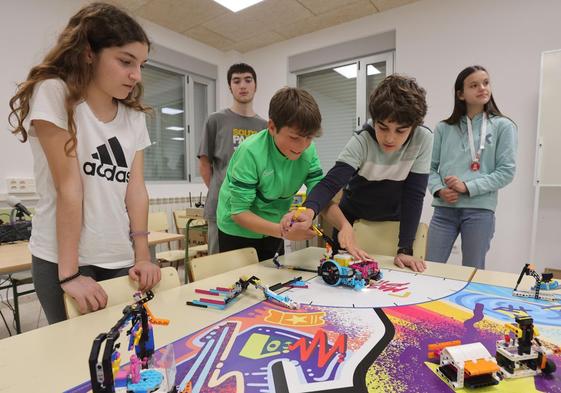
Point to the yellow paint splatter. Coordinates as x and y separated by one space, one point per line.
378 380
445 308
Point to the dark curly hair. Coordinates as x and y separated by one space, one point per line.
400 99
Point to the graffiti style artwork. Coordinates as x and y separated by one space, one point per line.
349 341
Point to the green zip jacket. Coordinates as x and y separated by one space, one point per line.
262 180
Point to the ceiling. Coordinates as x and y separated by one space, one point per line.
257 26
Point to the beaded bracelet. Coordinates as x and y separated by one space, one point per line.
67 279
138 233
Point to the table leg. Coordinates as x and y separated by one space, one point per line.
186 262
16 305
15 283
152 250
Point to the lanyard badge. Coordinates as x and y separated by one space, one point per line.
476 156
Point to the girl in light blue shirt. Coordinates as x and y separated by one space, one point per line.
474 155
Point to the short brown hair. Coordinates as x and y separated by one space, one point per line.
398 98
295 108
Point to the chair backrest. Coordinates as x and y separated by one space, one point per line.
211 265
120 290
180 217
158 222
381 237
556 272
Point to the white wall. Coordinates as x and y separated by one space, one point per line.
435 39
37 23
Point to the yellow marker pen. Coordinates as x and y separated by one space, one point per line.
296 214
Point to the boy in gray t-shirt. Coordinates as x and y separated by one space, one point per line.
222 134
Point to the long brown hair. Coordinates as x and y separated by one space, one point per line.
460 108
96 26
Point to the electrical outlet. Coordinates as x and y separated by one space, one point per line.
20 185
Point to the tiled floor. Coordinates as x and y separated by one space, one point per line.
31 314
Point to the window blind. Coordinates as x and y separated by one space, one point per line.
336 98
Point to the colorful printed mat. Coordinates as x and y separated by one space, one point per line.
341 340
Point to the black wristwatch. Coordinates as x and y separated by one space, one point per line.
405 250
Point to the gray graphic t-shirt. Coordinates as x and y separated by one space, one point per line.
223 132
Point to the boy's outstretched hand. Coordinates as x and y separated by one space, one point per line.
415 264
299 219
298 232
297 225
347 241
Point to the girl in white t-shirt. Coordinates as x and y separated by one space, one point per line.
81 111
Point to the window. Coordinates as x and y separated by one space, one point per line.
180 102
341 91
201 104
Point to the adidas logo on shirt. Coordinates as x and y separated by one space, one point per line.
110 157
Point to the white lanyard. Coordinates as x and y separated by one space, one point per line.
483 134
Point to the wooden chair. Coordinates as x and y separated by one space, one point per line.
211 265
15 280
120 290
381 237
556 272
187 221
158 222
181 219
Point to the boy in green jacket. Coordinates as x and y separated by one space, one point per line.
265 173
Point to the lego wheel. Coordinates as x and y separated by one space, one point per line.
331 272
550 367
505 363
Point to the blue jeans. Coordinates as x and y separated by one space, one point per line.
477 227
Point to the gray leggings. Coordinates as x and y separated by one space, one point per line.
49 292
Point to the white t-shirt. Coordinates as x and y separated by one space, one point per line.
105 153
